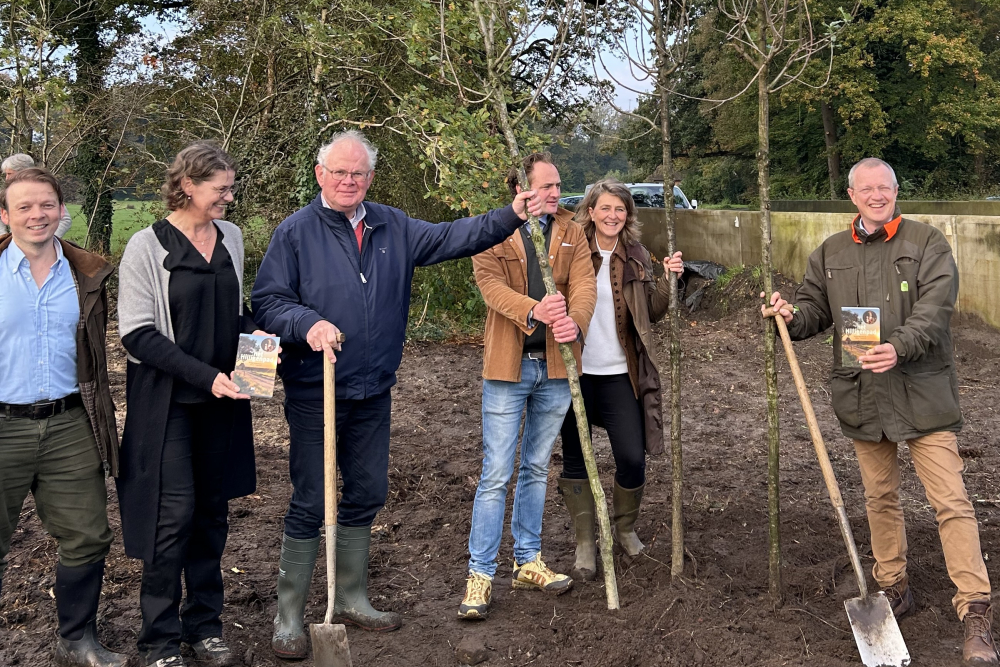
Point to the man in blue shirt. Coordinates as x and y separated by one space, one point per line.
57 430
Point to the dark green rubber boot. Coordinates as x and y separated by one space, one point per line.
579 501
352 605
295 571
626 504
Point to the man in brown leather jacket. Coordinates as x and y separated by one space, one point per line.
905 390
523 373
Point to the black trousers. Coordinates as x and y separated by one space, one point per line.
610 404
191 532
362 454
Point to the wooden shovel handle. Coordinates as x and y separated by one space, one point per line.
824 458
330 479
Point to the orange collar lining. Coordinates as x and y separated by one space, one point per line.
891 228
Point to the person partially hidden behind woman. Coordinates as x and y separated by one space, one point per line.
187 448
620 382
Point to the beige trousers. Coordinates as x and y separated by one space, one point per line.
939 466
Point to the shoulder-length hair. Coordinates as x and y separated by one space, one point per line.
199 162
629 235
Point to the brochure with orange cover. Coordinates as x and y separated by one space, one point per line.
256 365
860 333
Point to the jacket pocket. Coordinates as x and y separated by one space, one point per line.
842 289
933 398
903 283
845 385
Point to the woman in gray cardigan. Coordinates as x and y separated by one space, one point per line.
187 448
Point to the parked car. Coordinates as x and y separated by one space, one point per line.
650 195
571 202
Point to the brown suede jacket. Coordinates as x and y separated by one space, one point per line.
91 273
640 299
907 270
502 276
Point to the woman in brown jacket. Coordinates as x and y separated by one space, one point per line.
621 386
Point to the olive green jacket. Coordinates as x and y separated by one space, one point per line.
907 270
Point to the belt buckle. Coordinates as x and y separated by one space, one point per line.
540 357
38 409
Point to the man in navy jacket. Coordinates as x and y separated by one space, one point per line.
342 264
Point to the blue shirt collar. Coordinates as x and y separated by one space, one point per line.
16 255
542 219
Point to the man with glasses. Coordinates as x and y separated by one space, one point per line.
343 264
906 388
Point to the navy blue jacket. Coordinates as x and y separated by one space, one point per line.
313 271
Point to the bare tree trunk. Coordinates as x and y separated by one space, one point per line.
770 369
20 140
832 152
670 217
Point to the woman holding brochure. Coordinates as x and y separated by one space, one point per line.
187 448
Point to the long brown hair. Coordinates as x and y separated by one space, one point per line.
629 234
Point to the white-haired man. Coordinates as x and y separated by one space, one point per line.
343 264
19 162
906 388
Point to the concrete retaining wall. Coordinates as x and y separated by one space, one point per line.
732 238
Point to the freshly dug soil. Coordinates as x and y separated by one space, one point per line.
718 613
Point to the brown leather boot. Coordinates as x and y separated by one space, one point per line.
900 598
979 649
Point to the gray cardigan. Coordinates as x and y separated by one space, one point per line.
143 283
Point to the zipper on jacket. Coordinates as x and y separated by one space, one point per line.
363 279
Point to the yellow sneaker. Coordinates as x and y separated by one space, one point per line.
478 593
536 574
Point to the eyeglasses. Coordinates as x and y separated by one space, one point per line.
883 190
227 190
341 175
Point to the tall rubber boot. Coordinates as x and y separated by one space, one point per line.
351 604
626 504
579 501
78 593
295 571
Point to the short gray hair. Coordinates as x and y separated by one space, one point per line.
348 135
871 162
17 162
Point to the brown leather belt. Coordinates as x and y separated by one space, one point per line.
42 409
538 356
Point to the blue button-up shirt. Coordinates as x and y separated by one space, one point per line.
37 330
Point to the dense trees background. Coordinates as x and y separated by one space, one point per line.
93 89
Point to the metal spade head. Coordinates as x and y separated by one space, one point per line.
329 645
876 632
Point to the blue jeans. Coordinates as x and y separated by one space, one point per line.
544 403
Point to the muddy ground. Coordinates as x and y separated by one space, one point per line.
718 613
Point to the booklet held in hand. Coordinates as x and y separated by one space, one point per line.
256 364
861 332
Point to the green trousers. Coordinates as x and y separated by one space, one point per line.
57 460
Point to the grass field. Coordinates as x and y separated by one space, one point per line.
129 217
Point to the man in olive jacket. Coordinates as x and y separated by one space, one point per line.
906 388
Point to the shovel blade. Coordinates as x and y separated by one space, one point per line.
329 645
876 632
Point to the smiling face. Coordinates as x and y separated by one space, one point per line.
345 176
209 198
874 193
544 179
32 213
609 215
